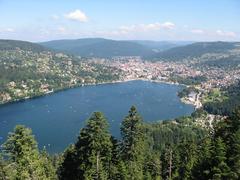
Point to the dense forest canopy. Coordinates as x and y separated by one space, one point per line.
196 50
23 45
225 105
150 50
167 150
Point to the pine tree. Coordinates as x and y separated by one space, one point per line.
132 136
235 120
115 166
47 164
3 169
233 145
167 162
133 144
122 171
235 155
69 168
202 168
220 169
152 166
227 130
90 157
22 152
187 152
170 162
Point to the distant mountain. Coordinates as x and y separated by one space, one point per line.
150 50
98 47
195 50
158 46
23 45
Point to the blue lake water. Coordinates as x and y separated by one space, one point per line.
57 118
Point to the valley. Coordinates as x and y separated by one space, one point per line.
33 70
119 90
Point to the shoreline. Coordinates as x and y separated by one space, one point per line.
91 84
195 102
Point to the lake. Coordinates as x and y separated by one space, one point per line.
56 119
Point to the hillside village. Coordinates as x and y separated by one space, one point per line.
26 74
35 71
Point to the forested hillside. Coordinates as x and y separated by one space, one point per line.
196 50
107 48
166 150
29 70
225 102
23 45
98 47
219 54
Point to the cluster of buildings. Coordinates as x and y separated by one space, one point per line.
135 68
218 79
62 71
29 74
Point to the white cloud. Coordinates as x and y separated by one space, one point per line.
147 27
77 15
168 25
126 29
213 34
226 33
7 30
197 31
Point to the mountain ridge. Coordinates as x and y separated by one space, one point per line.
8 44
101 47
196 50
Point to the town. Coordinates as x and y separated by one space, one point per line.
136 68
69 72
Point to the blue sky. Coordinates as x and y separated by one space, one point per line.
188 20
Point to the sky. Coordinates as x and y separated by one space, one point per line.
159 20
